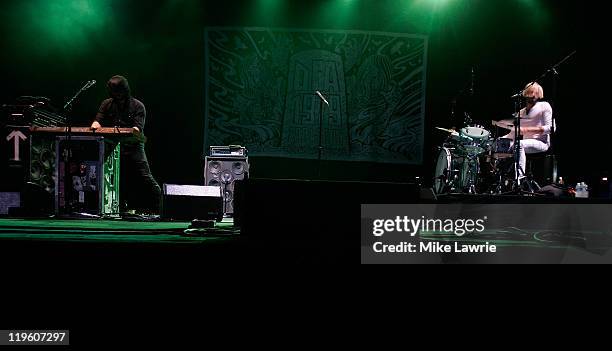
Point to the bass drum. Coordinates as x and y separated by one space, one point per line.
455 172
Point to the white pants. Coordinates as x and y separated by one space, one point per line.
529 146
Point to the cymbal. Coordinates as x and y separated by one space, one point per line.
456 133
447 130
503 124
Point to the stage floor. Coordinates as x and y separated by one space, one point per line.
112 231
76 244
70 244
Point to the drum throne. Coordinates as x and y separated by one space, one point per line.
541 169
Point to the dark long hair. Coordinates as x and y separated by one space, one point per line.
118 85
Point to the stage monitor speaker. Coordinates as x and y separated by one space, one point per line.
222 172
189 202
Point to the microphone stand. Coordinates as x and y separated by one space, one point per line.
553 70
68 154
469 88
517 143
320 148
467 92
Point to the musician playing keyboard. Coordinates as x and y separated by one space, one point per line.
139 190
536 124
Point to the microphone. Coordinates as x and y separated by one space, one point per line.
321 96
89 84
517 95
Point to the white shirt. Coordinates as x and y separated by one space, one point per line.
540 115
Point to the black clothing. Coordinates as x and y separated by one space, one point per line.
139 190
114 114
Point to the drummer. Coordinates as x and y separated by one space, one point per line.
536 124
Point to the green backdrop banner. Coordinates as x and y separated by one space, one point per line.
261 88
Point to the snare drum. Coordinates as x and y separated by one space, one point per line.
476 132
477 139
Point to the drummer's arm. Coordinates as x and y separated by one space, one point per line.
545 127
548 121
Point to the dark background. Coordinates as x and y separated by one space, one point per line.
51 47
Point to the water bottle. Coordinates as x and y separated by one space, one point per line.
579 190
582 190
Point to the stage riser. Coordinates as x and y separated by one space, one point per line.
288 209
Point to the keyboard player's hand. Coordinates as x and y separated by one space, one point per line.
95 125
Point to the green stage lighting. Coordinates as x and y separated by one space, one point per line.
62 24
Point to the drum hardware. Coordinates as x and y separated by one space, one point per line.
454 133
471 175
448 130
458 167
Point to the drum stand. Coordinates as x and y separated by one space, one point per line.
471 186
519 173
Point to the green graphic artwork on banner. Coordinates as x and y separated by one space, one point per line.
261 86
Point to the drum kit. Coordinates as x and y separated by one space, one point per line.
474 161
